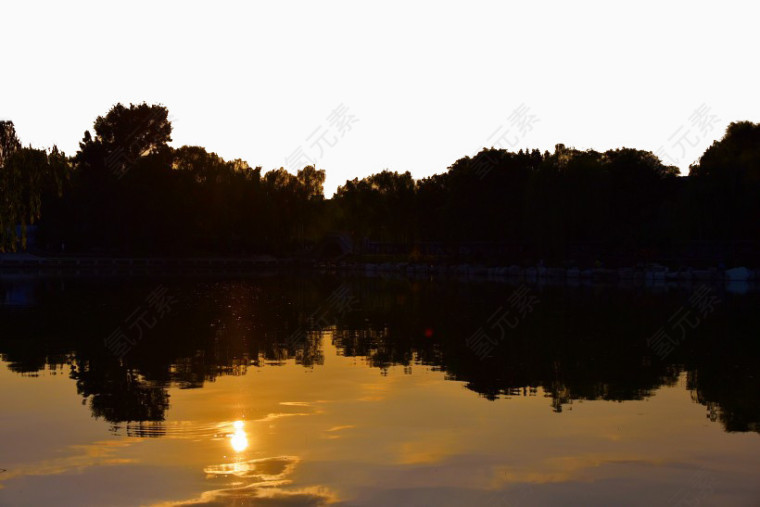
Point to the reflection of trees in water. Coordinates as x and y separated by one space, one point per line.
142 429
120 394
570 348
583 344
723 372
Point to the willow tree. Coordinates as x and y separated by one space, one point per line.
26 177
9 143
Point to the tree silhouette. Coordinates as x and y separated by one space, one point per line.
130 193
123 136
28 178
725 186
8 141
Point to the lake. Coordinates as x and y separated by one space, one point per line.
359 391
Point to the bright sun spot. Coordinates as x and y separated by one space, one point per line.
239 440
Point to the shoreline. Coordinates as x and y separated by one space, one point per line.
655 276
22 263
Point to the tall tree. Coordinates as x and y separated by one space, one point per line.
8 141
123 136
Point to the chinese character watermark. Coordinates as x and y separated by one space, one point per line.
124 157
339 122
702 303
485 340
702 484
340 302
145 317
507 137
683 144
515 497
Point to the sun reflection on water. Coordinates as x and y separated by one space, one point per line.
239 439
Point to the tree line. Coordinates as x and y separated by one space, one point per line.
127 192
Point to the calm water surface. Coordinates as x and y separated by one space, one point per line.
371 392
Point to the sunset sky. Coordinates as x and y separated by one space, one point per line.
364 86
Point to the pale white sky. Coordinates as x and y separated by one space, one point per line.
426 82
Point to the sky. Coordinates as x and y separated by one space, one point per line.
358 87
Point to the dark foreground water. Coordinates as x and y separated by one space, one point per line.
371 392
